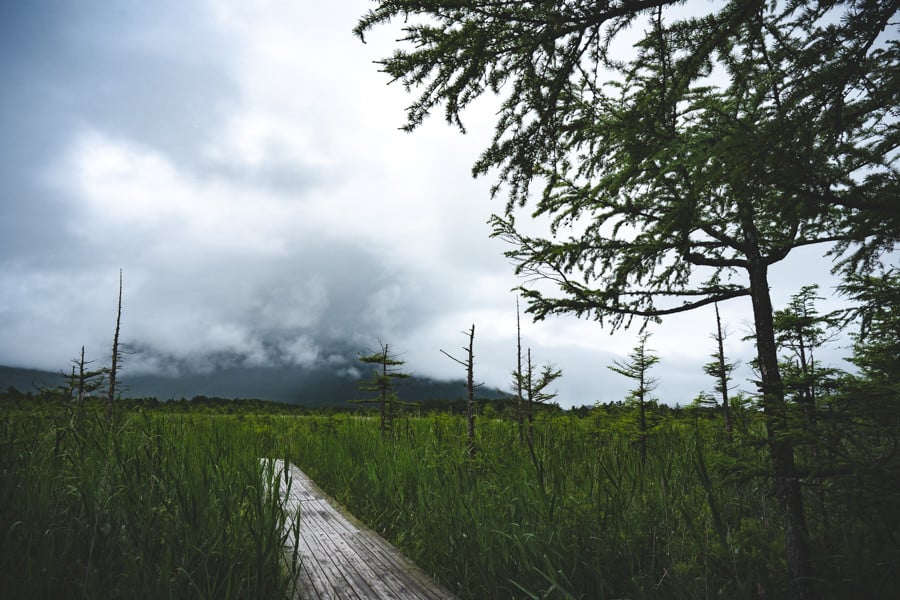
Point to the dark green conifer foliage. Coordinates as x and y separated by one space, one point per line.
675 177
386 371
721 370
876 345
637 368
535 387
75 387
83 384
800 331
531 386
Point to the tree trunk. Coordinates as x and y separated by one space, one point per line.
114 368
642 393
807 395
529 398
643 425
384 391
80 404
469 364
520 409
723 375
470 401
781 448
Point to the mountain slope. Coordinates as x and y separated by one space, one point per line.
309 387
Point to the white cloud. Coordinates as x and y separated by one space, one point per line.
126 191
284 212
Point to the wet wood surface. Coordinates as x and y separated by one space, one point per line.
340 558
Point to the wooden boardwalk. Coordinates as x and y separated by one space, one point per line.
340 558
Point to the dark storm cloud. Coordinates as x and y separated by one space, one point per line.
66 64
147 72
242 163
308 310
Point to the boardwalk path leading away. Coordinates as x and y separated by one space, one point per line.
340 558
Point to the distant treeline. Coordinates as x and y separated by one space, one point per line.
487 407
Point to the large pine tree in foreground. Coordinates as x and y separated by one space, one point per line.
674 174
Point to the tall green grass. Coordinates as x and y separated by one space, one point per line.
695 521
601 526
153 506
166 505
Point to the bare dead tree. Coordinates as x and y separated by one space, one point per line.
721 370
114 367
469 364
517 377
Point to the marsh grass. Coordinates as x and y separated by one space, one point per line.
601 526
152 506
168 505
695 520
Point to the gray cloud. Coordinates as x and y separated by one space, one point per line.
243 165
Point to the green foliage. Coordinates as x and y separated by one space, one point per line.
720 369
171 504
668 179
800 331
637 368
674 176
697 519
876 349
535 384
157 506
382 382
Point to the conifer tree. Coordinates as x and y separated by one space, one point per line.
875 391
676 176
721 370
801 331
84 383
386 371
637 368
530 386
535 388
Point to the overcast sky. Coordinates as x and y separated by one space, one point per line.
242 163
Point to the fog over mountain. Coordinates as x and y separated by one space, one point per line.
241 163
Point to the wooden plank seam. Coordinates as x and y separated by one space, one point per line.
340 558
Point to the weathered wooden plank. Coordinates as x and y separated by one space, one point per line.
365 573
365 567
372 551
342 559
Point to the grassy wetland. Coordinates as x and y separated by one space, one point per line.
170 502
149 506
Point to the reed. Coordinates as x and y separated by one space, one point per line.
168 505
155 506
689 522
